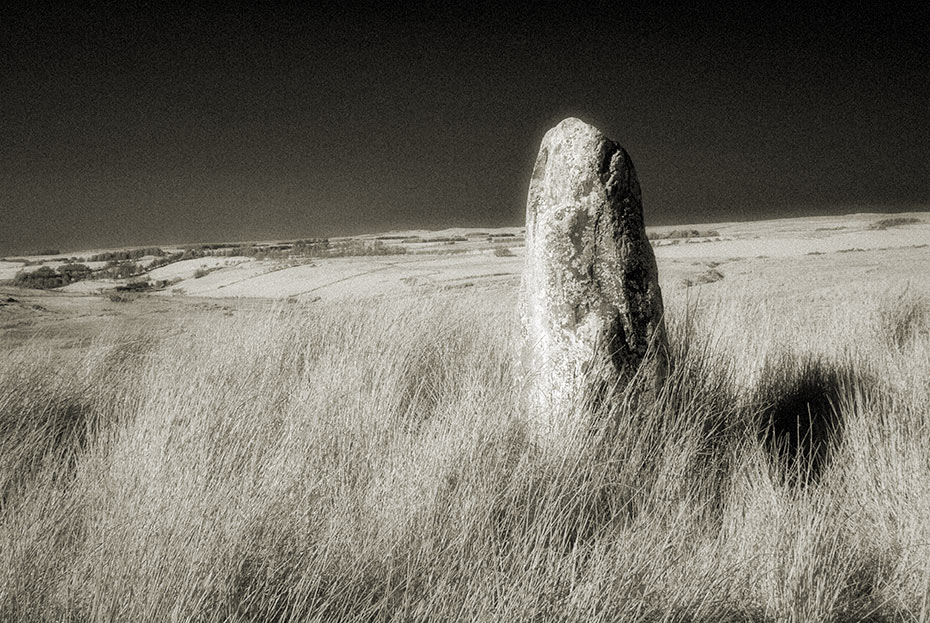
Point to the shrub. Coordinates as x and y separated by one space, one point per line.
135 286
45 278
122 297
74 272
119 270
896 221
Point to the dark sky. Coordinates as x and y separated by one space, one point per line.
157 125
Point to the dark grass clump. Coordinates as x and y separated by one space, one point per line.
801 419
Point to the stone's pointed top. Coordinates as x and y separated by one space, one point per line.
573 122
573 125
571 152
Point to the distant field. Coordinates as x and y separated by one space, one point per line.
315 438
405 263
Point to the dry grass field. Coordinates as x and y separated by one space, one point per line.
343 440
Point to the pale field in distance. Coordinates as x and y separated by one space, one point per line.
343 439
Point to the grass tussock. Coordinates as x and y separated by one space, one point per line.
903 318
371 462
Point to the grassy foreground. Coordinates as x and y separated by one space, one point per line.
369 462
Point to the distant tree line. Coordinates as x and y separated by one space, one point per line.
131 254
46 278
165 259
121 264
306 248
684 233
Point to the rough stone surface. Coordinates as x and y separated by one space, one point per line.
591 302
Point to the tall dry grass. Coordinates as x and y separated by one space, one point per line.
369 462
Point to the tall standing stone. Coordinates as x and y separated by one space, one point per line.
592 307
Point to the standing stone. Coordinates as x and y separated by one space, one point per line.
592 307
